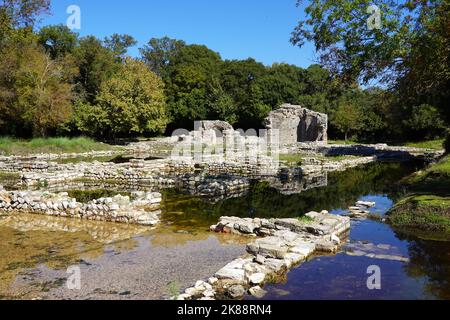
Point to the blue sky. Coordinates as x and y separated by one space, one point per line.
237 29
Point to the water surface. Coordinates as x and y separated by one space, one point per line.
135 262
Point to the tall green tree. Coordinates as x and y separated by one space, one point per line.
39 90
58 40
159 52
96 64
119 44
188 84
347 118
130 103
407 50
23 13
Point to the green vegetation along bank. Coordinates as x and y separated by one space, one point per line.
18 147
427 206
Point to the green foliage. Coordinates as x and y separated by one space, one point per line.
57 40
119 44
447 143
426 121
37 89
408 53
129 103
347 118
430 144
96 64
158 54
192 72
422 212
23 13
14 146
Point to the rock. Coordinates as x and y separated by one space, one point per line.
303 248
367 204
293 259
192 291
247 227
231 274
286 235
114 207
275 264
212 280
183 296
257 292
236 291
209 293
272 251
202 285
260 259
335 239
257 278
326 246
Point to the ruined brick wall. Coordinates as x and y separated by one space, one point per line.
298 124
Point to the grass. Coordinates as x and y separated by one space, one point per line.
427 207
433 180
297 159
291 158
436 144
13 146
174 288
305 219
9 175
431 144
422 212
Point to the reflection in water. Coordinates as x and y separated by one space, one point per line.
264 201
430 259
27 242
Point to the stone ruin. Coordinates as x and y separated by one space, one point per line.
210 131
298 124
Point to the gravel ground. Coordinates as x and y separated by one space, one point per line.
150 266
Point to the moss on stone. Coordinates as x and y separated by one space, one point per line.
422 212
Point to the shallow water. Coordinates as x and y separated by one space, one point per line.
133 262
425 276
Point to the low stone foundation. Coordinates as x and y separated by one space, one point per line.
143 210
284 243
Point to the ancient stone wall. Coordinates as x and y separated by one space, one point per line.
297 124
143 210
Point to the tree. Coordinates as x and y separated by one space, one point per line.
241 80
220 104
43 90
19 14
23 13
425 121
188 81
57 40
283 83
96 64
348 45
158 54
119 44
407 51
132 101
347 118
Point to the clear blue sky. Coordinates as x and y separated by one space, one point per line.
237 29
